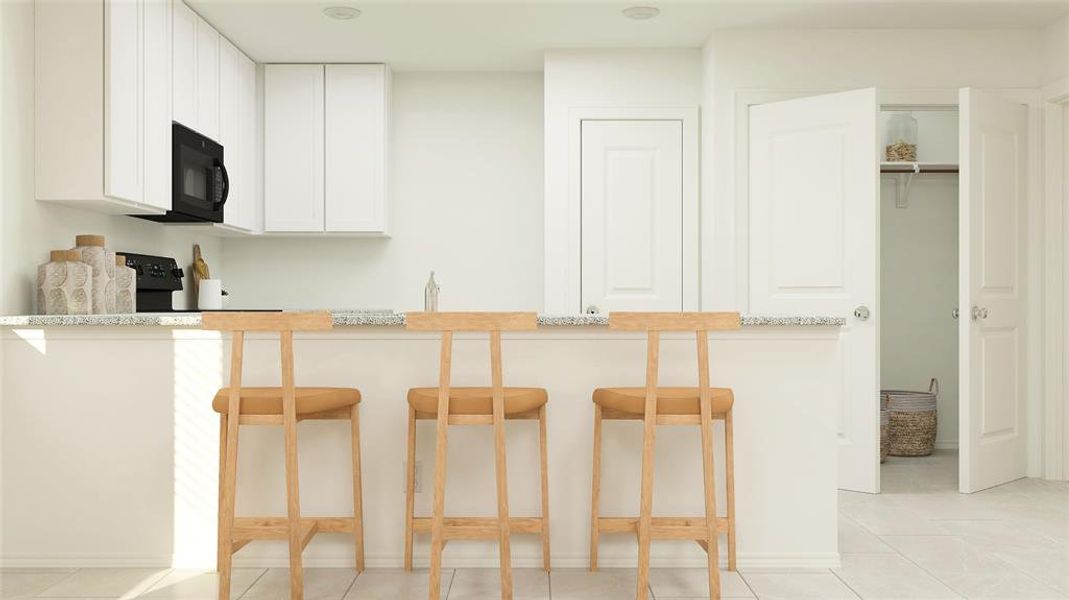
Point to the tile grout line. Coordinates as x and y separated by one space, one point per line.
254 581
69 575
352 583
844 582
746 582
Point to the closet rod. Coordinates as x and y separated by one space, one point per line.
906 167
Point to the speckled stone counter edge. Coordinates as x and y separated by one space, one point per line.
365 319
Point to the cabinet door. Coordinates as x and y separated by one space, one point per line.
355 171
230 121
207 79
122 101
293 148
184 65
157 100
250 143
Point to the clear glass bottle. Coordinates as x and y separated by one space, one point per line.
430 295
901 141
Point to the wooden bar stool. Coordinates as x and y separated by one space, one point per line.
473 406
669 406
283 406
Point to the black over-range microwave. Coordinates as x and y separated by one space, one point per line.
199 182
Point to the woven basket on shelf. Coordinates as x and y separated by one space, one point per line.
911 426
885 436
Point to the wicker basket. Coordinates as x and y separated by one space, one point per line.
911 426
885 436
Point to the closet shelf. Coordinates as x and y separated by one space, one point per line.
910 167
905 172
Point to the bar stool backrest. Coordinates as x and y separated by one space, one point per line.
653 323
237 323
492 322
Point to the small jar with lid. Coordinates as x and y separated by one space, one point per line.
64 285
125 286
93 253
901 141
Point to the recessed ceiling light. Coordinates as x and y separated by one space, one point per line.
341 13
641 13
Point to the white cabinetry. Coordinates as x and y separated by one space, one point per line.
102 77
237 133
196 72
293 148
325 144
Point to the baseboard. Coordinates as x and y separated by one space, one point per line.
87 561
747 562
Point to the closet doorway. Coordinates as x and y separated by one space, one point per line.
815 207
919 295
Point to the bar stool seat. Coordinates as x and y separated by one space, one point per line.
477 400
268 400
670 400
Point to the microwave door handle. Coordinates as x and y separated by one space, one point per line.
226 184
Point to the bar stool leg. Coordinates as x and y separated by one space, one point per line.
595 491
293 502
502 475
222 485
729 469
645 519
228 489
545 486
712 545
410 486
358 493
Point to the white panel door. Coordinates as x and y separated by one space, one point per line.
207 79
632 215
123 100
993 191
230 125
814 244
293 148
157 101
355 168
184 65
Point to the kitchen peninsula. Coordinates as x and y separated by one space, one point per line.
68 380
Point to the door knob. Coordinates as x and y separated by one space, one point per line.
592 310
979 313
955 313
862 313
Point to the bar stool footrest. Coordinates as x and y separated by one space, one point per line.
664 528
477 528
247 529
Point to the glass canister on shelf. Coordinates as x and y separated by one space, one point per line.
64 285
901 142
125 286
93 253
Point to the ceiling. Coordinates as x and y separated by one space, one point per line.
506 35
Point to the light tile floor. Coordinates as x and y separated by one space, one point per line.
918 539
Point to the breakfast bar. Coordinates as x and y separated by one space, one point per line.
123 402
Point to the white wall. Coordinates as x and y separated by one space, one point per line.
598 78
466 196
918 290
29 229
822 61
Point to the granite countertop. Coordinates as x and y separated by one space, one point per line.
366 318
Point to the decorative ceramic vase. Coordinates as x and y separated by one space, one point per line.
93 253
430 295
64 285
125 286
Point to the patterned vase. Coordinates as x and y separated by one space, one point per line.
93 253
64 285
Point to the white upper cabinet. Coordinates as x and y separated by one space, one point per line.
237 133
356 110
293 148
196 72
100 113
156 106
325 135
